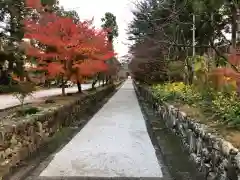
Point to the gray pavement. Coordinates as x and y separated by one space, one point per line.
9 100
114 144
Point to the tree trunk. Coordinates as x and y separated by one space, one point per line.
234 27
106 79
79 85
110 79
63 90
94 83
63 87
190 78
238 27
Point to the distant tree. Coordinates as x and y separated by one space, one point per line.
110 23
12 13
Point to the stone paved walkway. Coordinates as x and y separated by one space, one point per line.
114 143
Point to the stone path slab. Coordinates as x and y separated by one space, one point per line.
114 143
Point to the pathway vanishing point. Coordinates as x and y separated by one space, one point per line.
113 144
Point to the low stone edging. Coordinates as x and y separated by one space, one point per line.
213 156
19 140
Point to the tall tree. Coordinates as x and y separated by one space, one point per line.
164 30
109 23
12 14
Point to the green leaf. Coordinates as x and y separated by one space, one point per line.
197 66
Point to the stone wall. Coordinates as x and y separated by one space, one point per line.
216 158
18 141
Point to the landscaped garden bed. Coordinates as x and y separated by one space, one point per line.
220 111
210 139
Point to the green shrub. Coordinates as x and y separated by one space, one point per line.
27 111
224 105
49 101
227 107
22 90
6 89
176 92
168 91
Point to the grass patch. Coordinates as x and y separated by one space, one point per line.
27 111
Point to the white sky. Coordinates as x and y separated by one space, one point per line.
87 9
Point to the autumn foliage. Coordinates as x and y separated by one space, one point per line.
65 48
227 75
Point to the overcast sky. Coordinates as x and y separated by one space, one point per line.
88 9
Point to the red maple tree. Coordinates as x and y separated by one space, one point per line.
65 48
221 76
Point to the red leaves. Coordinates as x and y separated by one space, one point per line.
234 59
55 68
109 55
99 66
224 75
227 72
91 67
65 46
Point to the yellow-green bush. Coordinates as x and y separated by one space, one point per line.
177 91
227 107
224 105
168 91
